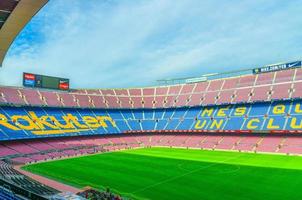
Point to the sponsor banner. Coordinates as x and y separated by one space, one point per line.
28 82
63 85
277 67
54 124
29 76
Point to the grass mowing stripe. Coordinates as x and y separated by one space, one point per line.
182 175
249 159
163 173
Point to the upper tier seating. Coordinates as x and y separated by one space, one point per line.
247 88
12 95
32 97
50 98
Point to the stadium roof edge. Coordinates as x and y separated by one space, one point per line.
16 21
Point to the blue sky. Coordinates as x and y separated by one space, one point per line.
129 43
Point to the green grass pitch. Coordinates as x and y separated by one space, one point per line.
165 174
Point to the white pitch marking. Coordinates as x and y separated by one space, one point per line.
182 175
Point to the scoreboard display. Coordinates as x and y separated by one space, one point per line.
48 82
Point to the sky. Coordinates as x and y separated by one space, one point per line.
133 43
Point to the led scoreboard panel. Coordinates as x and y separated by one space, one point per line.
48 82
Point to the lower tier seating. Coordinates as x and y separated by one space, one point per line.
8 173
54 148
6 194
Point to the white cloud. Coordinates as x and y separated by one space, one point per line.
133 43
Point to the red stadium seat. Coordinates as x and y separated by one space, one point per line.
68 99
225 96
281 91
215 85
248 80
242 95
230 83
261 93
174 90
125 101
196 99
112 101
32 96
51 98
107 92
98 101
135 92
137 101
187 89
265 78
201 87
284 76
83 101
297 90
12 95
298 75
210 98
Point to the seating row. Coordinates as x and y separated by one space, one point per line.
290 144
279 85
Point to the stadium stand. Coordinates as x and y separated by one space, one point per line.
7 194
278 85
14 177
250 113
35 122
57 148
255 112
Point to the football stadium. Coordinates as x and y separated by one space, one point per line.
231 136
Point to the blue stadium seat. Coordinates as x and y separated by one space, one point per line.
281 115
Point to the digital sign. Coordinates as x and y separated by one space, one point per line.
48 82
277 67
